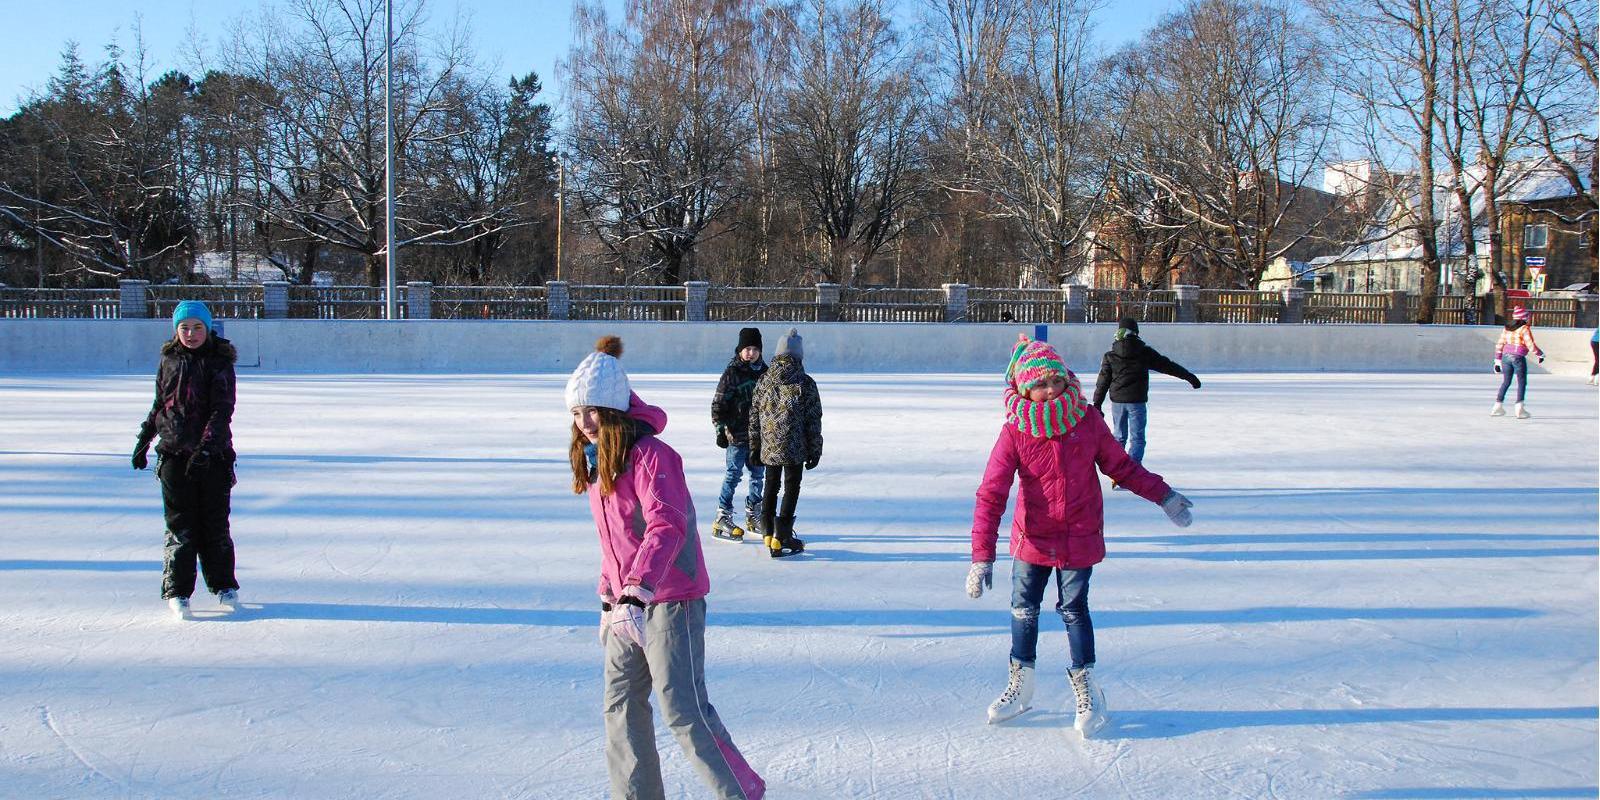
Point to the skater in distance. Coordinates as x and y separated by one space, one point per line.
1125 375
1511 360
785 435
652 588
730 415
192 416
1056 441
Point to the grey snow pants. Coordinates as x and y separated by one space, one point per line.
673 662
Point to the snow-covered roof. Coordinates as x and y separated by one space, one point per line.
253 268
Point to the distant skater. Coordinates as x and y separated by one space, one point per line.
1056 442
653 586
1511 360
786 437
730 415
193 416
1125 375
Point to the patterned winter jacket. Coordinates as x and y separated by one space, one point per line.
193 409
785 416
1060 516
1516 340
648 534
730 405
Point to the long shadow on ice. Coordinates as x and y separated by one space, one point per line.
1369 555
985 621
1163 724
81 566
1475 793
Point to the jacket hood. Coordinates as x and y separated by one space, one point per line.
653 417
1515 324
1128 345
214 345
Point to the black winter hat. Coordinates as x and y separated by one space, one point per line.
1130 323
748 337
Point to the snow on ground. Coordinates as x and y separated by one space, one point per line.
1386 593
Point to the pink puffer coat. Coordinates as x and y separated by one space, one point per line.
1060 515
648 534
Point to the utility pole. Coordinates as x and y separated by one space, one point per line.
391 307
561 205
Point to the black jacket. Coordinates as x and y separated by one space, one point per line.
730 405
1125 371
193 409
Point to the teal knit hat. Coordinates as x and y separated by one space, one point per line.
191 309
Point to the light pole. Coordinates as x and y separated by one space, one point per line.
561 205
392 256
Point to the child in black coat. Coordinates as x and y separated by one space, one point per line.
1125 375
730 415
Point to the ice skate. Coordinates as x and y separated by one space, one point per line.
752 521
180 607
1017 697
1594 380
1522 413
724 528
783 542
1499 410
228 599
1091 702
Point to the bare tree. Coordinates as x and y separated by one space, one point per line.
1563 88
660 120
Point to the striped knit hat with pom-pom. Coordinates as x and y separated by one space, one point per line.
1033 362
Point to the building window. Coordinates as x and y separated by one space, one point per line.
1535 237
1350 284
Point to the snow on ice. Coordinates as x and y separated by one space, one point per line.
1385 593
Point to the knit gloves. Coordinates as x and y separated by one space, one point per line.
626 618
141 453
979 577
1177 507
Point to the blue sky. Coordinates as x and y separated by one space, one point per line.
511 36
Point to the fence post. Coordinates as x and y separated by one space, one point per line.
1187 297
1488 313
419 299
696 296
275 299
558 302
135 300
1397 307
1076 296
955 302
1588 311
1293 311
827 302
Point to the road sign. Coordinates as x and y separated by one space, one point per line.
1533 261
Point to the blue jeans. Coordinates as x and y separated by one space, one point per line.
1513 365
1028 582
1127 422
738 457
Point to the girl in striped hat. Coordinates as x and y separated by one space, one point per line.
1057 441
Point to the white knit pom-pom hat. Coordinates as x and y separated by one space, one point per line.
599 379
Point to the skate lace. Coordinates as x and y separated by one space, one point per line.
1013 686
1080 687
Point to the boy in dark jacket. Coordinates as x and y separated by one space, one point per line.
785 433
193 414
1125 374
730 414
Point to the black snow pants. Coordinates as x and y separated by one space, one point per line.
788 476
197 526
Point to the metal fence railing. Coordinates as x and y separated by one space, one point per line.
1327 308
1228 305
341 302
23 303
627 302
819 303
761 304
490 302
891 305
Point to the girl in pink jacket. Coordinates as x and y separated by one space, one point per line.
652 586
1055 441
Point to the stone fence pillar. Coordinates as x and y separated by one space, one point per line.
696 297
955 302
1188 299
1076 296
558 302
1294 306
134 302
419 299
1397 313
827 302
1588 311
275 299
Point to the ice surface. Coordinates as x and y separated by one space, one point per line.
1386 593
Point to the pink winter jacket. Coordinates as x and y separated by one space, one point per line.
648 534
1059 520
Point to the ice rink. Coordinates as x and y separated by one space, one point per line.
1385 594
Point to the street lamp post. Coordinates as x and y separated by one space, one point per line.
561 205
391 306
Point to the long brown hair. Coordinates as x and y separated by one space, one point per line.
611 452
